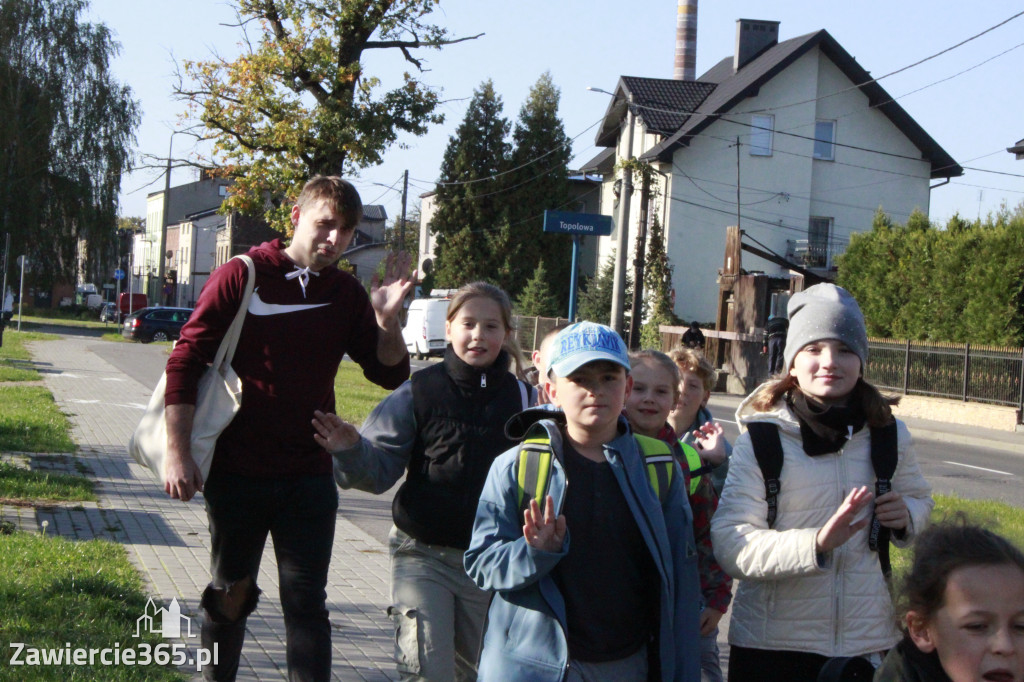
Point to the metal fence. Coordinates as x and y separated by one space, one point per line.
530 331
968 372
986 374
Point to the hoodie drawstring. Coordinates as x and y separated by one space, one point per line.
303 275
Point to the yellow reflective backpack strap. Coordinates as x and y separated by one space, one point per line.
693 463
534 469
659 460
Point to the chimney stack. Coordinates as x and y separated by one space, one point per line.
753 37
686 41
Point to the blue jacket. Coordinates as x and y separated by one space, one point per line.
526 626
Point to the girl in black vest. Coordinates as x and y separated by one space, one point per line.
442 429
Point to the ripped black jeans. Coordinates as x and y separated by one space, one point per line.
299 513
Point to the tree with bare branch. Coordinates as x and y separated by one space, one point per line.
297 102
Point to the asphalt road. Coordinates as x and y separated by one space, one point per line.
970 463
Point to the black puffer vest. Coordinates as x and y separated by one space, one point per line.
460 420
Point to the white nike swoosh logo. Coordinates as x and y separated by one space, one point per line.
257 306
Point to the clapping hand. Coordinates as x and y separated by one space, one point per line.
544 532
841 527
333 433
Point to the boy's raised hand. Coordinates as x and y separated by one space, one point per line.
544 532
333 433
710 439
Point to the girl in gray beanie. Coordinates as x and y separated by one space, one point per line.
810 587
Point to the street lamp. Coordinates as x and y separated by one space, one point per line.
622 224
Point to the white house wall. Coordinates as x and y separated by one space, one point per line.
780 192
642 141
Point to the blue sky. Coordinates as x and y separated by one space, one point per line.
974 116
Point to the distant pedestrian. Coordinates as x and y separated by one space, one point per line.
775 342
693 337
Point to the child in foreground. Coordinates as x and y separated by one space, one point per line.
811 588
656 382
964 599
442 429
598 581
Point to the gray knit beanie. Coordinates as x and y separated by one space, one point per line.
825 311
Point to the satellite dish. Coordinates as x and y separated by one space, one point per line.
168 254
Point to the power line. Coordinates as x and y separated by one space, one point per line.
891 73
495 176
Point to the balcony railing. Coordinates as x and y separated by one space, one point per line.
817 254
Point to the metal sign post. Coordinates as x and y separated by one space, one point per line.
578 225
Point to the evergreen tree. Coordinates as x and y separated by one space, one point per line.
536 298
657 288
595 302
471 209
539 182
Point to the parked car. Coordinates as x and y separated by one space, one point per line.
155 324
131 303
108 312
424 331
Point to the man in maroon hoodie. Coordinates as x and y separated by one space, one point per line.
268 474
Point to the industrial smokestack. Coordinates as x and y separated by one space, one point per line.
686 41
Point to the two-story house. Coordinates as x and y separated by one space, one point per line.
793 140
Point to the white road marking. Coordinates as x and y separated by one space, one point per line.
970 466
82 402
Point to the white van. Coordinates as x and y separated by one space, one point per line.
424 327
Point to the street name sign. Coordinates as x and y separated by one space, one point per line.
566 222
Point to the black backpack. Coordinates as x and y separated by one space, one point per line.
768 450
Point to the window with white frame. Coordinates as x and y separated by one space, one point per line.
761 127
825 140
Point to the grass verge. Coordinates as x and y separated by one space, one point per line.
998 517
31 422
354 395
57 593
17 483
15 361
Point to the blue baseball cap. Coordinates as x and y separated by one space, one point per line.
585 342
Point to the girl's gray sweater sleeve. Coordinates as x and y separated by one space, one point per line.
378 460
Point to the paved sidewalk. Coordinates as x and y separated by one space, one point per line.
168 540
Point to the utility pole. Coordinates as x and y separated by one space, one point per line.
622 225
737 182
158 294
405 194
638 264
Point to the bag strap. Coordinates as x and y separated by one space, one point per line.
660 464
884 457
533 474
226 351
768 452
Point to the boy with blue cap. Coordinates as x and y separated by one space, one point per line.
599 583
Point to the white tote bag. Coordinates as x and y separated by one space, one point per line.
217 402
